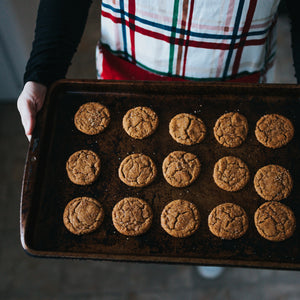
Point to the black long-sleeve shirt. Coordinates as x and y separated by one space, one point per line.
60 26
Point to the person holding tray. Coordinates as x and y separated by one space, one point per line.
231 41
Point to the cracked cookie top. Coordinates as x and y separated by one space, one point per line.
181 168
274 131
132 216
187 129
140 122
137 170
273 182
231 173
83 167
228 221
231 129
275 221
83 215
92 118
180 218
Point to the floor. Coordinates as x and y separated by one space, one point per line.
24 277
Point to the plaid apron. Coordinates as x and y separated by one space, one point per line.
207 40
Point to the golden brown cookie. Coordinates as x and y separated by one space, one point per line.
132 216
231 129
187 129
83 215
92 118
231 173
83 167
273 182
137 170
228 221
274 131
140 122
180 218
275 221
180 168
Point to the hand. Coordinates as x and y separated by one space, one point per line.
31 101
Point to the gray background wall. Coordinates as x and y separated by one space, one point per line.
17 21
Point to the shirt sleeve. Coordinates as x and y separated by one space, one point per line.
293 7
59 28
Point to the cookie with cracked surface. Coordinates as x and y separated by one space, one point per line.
275 221
231 173
228 221
132 216
181 168
137 170
83 167
274 131
92 118
83 215
231 129
273 182
187 129
140 122
180 218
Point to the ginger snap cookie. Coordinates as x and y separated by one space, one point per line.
132 216
275 221
273 182
180 218
140 122
137 170
187 129
83 215
274 131
231 129
231 173
83 167
228 221
181 168
92 118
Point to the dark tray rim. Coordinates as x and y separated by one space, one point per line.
30 170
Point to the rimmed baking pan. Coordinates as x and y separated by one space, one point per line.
47 188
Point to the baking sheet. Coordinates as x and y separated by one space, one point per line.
47 189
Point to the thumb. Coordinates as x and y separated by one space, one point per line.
32 110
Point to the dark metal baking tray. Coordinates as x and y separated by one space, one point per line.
47 189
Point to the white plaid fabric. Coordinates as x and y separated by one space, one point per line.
192 39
